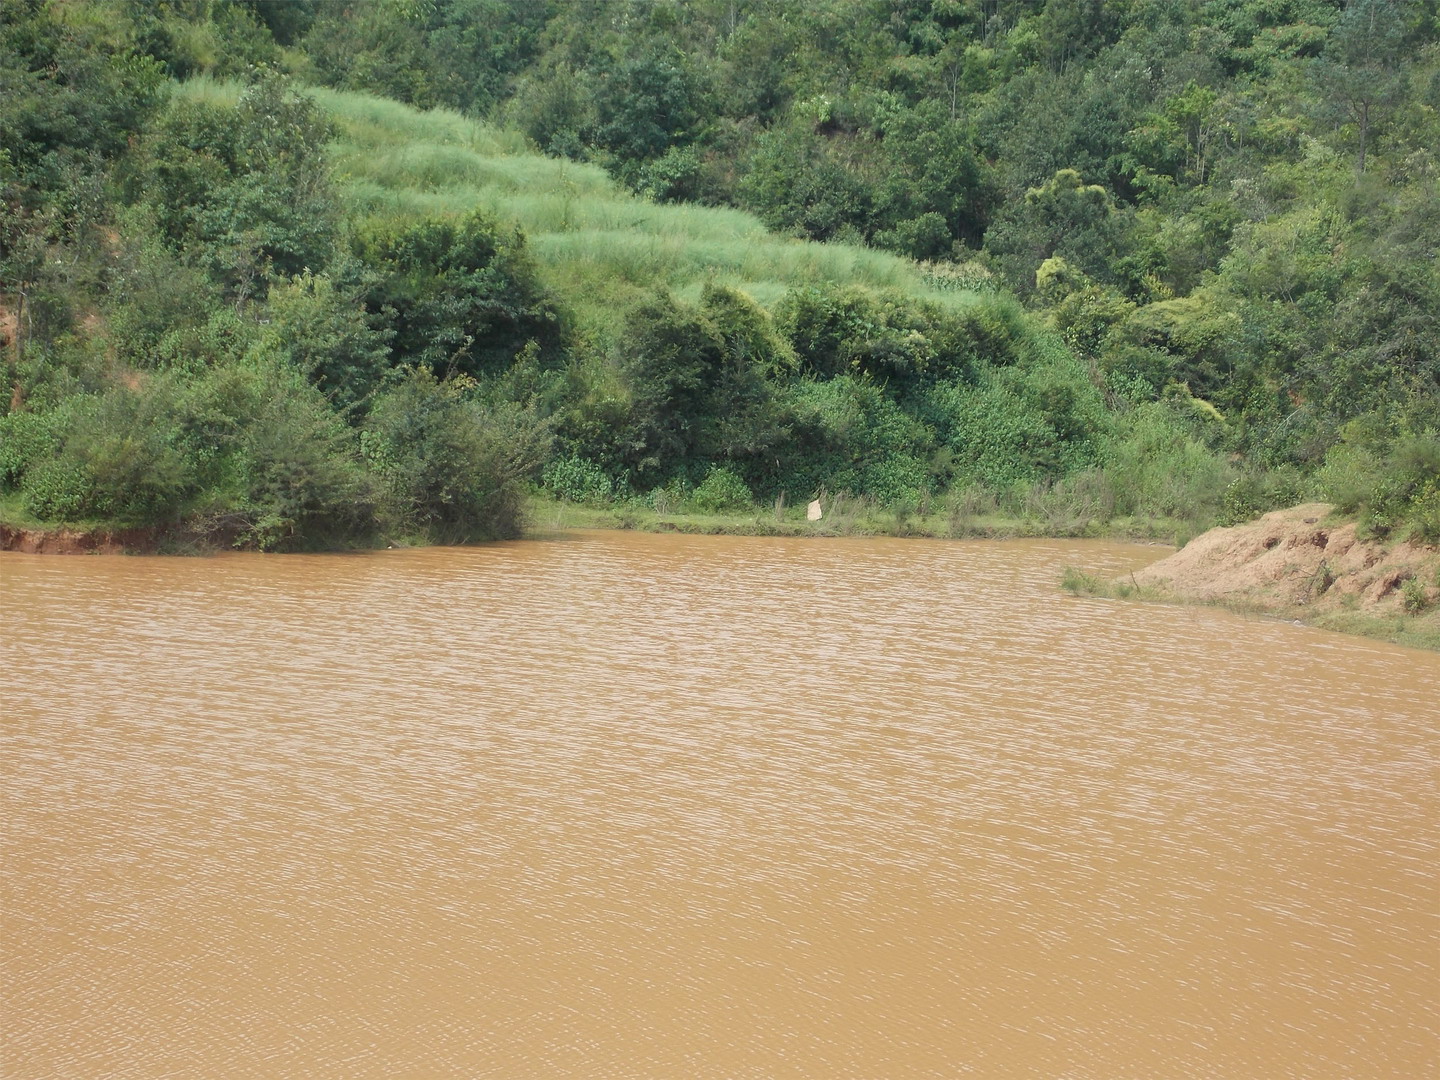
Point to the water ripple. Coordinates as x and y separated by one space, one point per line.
654 806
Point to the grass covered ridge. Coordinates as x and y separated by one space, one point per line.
598 244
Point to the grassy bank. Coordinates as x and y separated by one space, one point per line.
844 516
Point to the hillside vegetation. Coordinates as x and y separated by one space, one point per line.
313 274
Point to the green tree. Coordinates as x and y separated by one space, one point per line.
453 468
648 104
247 189
1359 73
458 294
321 329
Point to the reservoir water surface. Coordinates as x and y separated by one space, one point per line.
622 805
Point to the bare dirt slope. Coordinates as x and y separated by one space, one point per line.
77 541
1304 563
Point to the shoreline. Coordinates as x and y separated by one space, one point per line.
1299 565
1304 564
852 518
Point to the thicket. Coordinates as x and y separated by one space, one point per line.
1081 261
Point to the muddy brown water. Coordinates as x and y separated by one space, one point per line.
617 805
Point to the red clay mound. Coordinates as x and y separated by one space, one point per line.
1301 562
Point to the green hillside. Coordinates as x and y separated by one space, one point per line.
597 243
247 299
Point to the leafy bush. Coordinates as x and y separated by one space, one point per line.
156 296
321 329
1256 493
58 489
1424 513
1387 489
246 188
120 458
25 438
898 339
578 480
994 437
721 491
305 485
897 480
1413 596
458 295
848 436
1156 465
453 467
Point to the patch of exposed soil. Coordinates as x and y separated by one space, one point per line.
9 325
78 541
1301 563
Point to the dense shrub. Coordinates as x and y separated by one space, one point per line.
304 483
458 295
25 439
849 436
246 189
721 491
322 330
578 480
1158 466
1386 489
275 464
120 457
452 468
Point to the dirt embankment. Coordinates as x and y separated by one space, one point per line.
78 541
1302 563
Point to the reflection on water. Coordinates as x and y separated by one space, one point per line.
653 806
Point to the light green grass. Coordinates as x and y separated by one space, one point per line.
12 512
597 244
844 516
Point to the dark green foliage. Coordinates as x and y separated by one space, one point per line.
700 385
1253 494
458 295
25 439
848 436
1064 216
156 296
452 467
322 331
798 186
119 458
1359 74
302 481
934 190
219 38
1385 488
669 360
645 106
244 189
995 438
902 343
273 466
460 53
66 93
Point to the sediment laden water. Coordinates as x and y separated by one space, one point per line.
622 805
